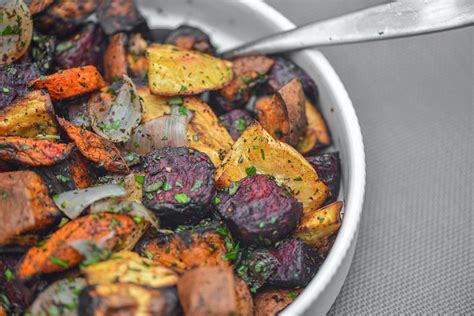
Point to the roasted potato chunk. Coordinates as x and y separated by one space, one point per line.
187 250
115 58
316 135
29 116
129 267
317 226
213 291
118 16
153 105
175 71
26 194
58 255
95 148
33 152
256 151
70 82
127 299
271 302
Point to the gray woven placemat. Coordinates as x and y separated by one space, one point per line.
414 99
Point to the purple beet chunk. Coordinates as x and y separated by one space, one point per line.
297 264
328 167
41 51
199 39
236 121
179 184
284 70
118 16
14 80
81 49
258 211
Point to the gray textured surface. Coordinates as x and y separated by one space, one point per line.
414 99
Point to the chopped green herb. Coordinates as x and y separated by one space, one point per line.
298 179
183 88
278 133
241 125
250 171
263 153
178 184
137 219
59 262
217 200
54 311
247 80
62 178
149 255
175 100
140 179
4 194
196 185
149 196
9 275
63 222
183 110
222 231
5 89
241 159
167 186
291 295
182 198
154 187
41 244
233 188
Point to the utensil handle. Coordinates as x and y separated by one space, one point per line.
396 19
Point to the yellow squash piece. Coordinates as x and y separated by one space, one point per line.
29 116
257 148
175 71
129 267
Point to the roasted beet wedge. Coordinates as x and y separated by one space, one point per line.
118 15
179 184
284 70
256 266
14 80
258 211
41 51
297 264
328 167
191 38
236 121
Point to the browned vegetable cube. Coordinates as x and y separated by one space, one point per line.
317 134
115 57
273 301
118 16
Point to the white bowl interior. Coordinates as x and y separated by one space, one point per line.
233 22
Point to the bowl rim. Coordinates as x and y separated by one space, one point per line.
356 159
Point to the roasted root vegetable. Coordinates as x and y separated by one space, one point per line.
236 121
256 151
186 250
256 266
81 174
317 134
328 167
41 51
178 184
29 116
297 264
115 57
190 38
14 80
271 302
71 82
284 116
136 58
175 71
127 299
129 267
57 253
33 152
95 148
118 16
25 204
316 227
153 105
258 211
198 289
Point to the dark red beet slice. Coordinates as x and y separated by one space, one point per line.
14 80
236 121
328 167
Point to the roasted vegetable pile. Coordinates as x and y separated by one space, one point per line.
141 174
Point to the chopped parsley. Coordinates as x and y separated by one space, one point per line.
298 179
183 88
149 255
197 185
183 110
233 188
167 186
175 100
263 153
59 262
182 198
247 80
250 171
63 179
8 274
4 194
291 295
217 200
241 125
154 187
140 179
63 222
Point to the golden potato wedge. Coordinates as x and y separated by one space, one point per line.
317 226
129 267
272 114
175 71
205 131
29 116
153 105
256 148
273 301
317 134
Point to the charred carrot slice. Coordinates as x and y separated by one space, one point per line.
80 172
70 82
33 152
95 148
58 255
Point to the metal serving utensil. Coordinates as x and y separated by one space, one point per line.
397 19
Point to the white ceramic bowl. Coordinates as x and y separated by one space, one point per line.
231 22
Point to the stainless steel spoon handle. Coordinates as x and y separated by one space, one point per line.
396 19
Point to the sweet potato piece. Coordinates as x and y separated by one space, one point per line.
257 149
187 250
205 132
38 6
25 204
137 61
246 70
29 116
243 296
70 82
273 301
96 148
80 172
33 152
213 291
317 226
130 267
317 134
118 16
175 71
115 58
285 117
58 255
127 299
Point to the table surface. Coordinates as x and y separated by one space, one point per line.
414 100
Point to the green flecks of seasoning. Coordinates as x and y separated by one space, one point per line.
54 311
62 179
222 231
178 184
154 187
59 262
5 89
182 198
273 219
4 194
241 159
167 186
262 152
140 179
240 125
217 200
149 196
9 275
175 100
137 219
233 188
183 110
291 295
63 222
197 185
149 255
298 179
250 171
247 80
183 88
278 133
253 289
